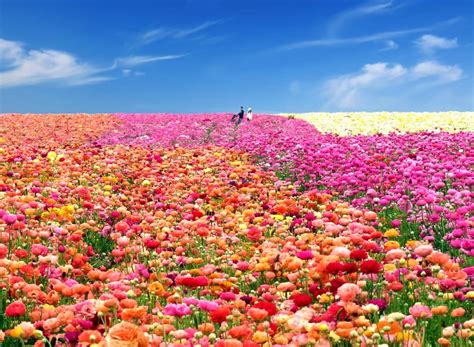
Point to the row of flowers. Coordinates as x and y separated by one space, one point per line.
371 123
422 181
105 242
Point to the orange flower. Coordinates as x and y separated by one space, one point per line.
126 334
444 342
134 313
391 245
206 328
394 327
439 310
257 314
128 303
156 288
458 312
88 337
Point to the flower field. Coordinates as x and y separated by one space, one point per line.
183 230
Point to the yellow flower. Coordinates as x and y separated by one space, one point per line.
48 307
260 337
52 156
334 337
325 298
389 267
323 327
16 332
391 233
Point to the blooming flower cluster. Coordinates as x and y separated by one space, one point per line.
143 237
371 123
419 181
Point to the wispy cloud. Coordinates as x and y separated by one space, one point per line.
369 9
444 73
342 19
390 45
20 67
429 43
163 33
30 67
144 59
357 89
353 40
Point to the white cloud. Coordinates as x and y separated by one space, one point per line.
162 33
445 73
345 91
429 43
38 66
340 20
10 51
356 90
390 45
129 72
20 67
144 59
382 36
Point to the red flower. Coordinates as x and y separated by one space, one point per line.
3 251
359 254
220 314
350 267
197 214
151 243
15 309
334 312
301 299
335 284
254 234
193 282
270 307
395 286
250 343
21 253
370 266
335 267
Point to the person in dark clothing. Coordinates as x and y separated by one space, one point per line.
239 115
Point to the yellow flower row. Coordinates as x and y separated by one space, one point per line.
367 123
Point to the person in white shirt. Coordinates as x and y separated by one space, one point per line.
249 114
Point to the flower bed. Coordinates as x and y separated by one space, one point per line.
125 234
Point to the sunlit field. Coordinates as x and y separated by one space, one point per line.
345 229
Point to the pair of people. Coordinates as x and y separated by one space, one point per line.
240 116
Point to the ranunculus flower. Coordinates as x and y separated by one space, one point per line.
220 314
370 266
423 250
15 309
348 291
358 254
305 255
126 334
420 311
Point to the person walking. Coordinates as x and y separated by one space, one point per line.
239 116
249 114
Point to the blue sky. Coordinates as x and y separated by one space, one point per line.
214 55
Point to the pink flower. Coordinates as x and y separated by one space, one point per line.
305 255
179 310
207 305
348 291
420 311
424 250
